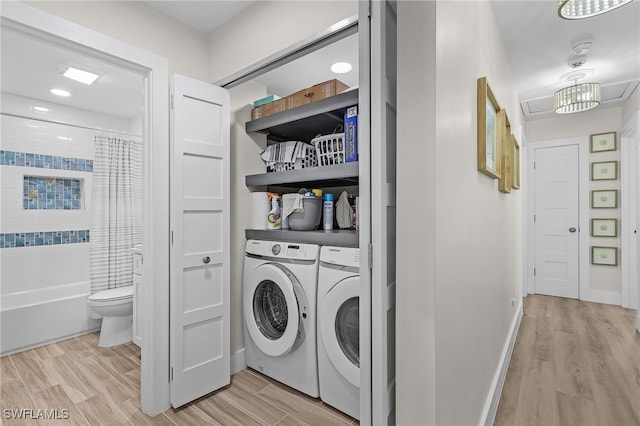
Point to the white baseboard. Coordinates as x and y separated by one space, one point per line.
238 362
495 391
601 296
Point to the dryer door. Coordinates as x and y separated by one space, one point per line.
340 328
271 309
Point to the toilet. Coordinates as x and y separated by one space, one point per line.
116 308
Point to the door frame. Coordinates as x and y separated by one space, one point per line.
583 206
630 217
155 234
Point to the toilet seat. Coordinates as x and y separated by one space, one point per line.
113 294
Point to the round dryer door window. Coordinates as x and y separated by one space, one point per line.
271 311
340 328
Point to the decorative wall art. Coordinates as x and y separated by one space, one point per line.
515 163
604 227
604 256
605 199
506 171
603 142
605 170
489 155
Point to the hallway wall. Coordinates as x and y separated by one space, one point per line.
459 282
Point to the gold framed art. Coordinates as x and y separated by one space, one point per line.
515 146
601 142
604 256
604 227
604 199
489 152
604 170
506 170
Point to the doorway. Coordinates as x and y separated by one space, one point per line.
154 127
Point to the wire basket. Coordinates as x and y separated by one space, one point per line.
310 160
330 149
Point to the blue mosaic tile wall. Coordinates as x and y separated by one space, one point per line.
42 161
50 193
31 239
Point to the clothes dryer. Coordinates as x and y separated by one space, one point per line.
339 328
279 302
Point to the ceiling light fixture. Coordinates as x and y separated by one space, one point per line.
580 9
41 109
341 67
576 98
60 92
77 74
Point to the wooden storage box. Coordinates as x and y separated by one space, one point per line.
273 107
315 93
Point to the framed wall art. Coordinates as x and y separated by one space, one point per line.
604 256
604 199
506 169
604 227
605 170
489 155
603 142
515 146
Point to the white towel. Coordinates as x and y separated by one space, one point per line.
292 203
283 152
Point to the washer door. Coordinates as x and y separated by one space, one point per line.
271 309
340 328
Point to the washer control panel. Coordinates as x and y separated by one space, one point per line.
282 250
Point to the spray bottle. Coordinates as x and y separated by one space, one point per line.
274 217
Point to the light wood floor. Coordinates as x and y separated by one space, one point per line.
101 386
574 363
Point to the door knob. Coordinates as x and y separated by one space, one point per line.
572 229
206 260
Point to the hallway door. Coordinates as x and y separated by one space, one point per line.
556 220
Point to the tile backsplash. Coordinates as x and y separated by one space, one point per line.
31 239
50 193
43 161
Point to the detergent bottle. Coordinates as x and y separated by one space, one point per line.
274 217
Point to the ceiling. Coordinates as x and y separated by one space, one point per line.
537 42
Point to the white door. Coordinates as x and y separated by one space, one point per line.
556 221
199 287
383 21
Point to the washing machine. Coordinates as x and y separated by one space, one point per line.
279 301
339 329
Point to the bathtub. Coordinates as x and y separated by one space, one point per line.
37 317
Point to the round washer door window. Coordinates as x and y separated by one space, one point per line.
271 312
348 329
340 329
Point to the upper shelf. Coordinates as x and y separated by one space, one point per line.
324 176
303 123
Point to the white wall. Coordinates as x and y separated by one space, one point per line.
296 21
140 25
631 107
459 238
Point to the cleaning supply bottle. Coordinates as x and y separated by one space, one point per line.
327 212
274 217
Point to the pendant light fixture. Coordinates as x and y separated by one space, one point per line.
576 98
580 9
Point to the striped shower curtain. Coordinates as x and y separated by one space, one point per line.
116 211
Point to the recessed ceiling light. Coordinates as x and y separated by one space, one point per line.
341 67
64 138
77 74
60 92
41 109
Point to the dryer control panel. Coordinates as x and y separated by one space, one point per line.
343 256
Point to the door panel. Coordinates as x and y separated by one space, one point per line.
556 221
199 288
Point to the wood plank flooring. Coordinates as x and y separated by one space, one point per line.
101 386
574 363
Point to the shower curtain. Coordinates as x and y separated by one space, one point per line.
116 211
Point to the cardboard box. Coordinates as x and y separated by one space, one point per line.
351 134
274 107
315 93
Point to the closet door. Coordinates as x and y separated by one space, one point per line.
199 286
378 282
